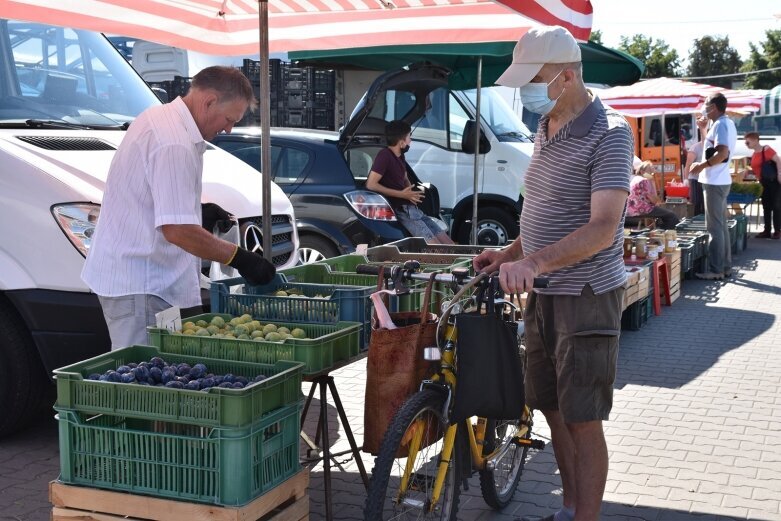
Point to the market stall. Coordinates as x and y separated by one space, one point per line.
661 112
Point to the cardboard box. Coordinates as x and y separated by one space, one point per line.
643 283
630 295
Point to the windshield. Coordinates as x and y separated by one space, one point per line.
765 125
55 74
498 115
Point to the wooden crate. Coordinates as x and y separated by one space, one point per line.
287 502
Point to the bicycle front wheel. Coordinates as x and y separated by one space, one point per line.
499 483
403 487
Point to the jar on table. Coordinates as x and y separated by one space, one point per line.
641 247
670 241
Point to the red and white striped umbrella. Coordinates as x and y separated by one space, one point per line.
670 95
230 27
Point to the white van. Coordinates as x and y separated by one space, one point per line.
442 152
66 99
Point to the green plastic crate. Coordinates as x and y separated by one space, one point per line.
185 462
384 255
348 263
419 245
341 303
322 274
216 407
326 345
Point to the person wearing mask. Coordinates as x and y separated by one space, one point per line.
694 154
149 240
572 232
643 200
388 176
766 166
714 175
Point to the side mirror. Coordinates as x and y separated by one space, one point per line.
468 139
161 94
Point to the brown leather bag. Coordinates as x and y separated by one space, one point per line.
395 367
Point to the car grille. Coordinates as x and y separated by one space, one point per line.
282 246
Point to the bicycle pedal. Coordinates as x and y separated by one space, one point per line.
527 442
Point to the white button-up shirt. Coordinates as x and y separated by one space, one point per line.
154 179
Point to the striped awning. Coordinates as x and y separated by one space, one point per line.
230 27
674 96
771 102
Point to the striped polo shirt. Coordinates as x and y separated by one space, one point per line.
592 152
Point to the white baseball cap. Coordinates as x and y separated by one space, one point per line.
540 45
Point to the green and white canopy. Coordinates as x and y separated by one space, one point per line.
771 103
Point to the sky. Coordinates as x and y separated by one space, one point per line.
679 22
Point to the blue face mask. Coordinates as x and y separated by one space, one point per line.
534 97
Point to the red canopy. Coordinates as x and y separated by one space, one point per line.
670 95
230 27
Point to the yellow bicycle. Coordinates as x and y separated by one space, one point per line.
440 456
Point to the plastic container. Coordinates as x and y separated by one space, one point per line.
183 462
419 245
216 407
326 345
677 190
429 261
349 263
636 315
322 274
337 303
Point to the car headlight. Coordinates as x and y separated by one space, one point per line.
77 221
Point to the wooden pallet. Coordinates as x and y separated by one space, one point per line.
287 502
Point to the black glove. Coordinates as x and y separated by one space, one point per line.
213 215
253 267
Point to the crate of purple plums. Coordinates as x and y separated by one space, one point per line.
180 427
145 382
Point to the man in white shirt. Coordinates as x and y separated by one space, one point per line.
149 241
715 178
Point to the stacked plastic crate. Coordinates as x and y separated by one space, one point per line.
251 69
300 97
220 446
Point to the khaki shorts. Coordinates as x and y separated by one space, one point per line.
572 353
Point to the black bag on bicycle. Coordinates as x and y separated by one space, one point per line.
489 365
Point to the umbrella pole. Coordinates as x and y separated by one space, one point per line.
265 138
664 139
476 175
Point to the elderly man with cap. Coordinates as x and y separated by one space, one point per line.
571 232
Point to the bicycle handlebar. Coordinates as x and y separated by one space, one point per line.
409 271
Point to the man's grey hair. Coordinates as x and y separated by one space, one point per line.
228 82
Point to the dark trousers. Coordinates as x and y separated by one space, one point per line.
696 197
771 204
667 217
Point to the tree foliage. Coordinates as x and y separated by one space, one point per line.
595 37
712 56
657 56
766 55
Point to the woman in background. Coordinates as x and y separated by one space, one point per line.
643 200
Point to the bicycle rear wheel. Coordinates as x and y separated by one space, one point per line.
421 413
498 484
